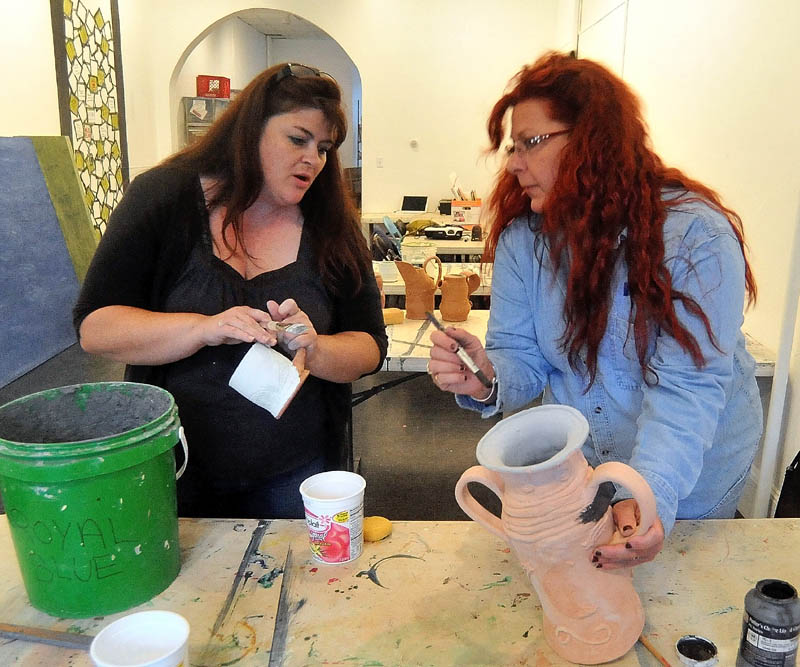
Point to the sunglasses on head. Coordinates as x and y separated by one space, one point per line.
299 72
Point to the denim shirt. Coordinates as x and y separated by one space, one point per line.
694 434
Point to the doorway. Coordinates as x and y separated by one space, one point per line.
243 44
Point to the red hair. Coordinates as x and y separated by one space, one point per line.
609 180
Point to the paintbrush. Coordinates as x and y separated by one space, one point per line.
461 353
646 643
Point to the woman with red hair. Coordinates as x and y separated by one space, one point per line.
619 286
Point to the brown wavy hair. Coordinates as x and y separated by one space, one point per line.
229 154
609 180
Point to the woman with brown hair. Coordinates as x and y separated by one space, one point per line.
251 224
619 286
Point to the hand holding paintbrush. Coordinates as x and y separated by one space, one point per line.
459 362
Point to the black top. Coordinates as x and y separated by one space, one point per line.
156 254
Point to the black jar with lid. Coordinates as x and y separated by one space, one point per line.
771 625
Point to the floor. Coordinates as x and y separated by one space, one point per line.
411 442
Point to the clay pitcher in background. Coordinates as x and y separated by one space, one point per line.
379 283
456 289
555 514
420 287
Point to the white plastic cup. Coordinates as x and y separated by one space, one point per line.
388 271
334 507
145 639
417 250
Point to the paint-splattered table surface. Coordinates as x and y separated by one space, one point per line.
433 593
228 590
452 594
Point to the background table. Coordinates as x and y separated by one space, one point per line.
408 343
433 593
398 285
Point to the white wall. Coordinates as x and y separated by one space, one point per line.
420 77
327 55
719 84
232 49
27 66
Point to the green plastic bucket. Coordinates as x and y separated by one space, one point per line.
87 476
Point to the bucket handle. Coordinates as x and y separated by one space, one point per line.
185 445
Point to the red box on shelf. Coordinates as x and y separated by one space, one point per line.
213 86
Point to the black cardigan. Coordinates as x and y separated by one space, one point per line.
149 238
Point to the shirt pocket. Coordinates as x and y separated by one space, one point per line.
626 369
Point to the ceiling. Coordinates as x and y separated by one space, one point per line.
281 25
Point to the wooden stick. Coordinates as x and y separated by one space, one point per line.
646 643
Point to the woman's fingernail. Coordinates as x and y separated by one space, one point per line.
599 565
465 378
627 528
461 367
598 554
594 559
628 545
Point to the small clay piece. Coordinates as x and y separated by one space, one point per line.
556 512
456 289
376 528
420 287
392 316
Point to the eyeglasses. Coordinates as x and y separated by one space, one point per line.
299 72
525 146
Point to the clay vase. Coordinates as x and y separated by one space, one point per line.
420 287
379 282
456 288
555 513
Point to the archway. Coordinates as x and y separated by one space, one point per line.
244 43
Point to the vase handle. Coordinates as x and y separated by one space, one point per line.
622 474
473 509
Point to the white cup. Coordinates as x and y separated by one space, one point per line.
389 271
417 250
145 639
334 508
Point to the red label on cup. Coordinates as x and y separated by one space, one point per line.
329 536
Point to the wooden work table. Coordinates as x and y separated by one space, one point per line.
433 593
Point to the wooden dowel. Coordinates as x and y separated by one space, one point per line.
42 636
646 643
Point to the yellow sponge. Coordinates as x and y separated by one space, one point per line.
393 316
376 528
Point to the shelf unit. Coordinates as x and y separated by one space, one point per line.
198 114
